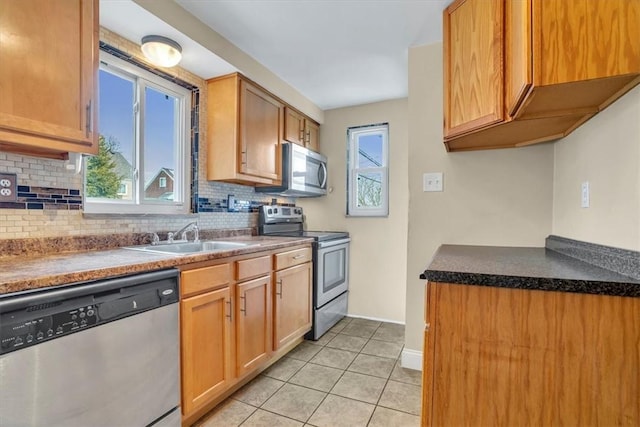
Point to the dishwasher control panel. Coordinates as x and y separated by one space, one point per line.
34 318
22 333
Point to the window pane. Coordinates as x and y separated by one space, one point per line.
369 190
160 134
110 173
369 151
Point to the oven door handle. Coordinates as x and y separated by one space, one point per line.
330 243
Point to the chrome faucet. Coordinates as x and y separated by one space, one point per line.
192 226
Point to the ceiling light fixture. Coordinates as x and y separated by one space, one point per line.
161 51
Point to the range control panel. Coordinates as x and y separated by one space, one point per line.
273 213
22 333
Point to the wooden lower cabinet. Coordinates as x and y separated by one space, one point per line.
229 318
498 356
253 324
292 303
206 347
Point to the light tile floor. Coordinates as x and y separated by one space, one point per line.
350 377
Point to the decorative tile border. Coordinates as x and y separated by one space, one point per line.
621 261
40 198
221 205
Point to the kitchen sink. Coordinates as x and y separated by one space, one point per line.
185 248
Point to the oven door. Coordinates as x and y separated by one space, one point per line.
332 268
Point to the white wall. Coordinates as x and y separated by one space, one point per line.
605 151
495 197
378 246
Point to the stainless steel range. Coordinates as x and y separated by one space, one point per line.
330 263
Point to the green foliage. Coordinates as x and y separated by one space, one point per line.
369 190
102 178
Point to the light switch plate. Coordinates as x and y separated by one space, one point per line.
8 187
432 181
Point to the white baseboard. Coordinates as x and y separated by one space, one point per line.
411 359
377 319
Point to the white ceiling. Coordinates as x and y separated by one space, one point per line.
335 52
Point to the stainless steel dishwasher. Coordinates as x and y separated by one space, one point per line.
102 353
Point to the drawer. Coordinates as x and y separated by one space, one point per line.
291 258
253 267
202 279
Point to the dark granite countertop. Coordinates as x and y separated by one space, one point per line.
525 268
24 273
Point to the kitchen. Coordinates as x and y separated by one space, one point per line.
509 197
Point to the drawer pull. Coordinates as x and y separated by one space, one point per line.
298 256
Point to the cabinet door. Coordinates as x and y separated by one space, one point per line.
292 304
253 324
519 71
294 126
206 347
261 121
473 66
582 40
48 76
312 135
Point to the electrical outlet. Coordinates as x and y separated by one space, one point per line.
584 199
8 187
432 181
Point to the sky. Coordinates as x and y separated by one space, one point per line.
370 150
116 120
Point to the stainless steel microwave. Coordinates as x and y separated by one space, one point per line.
304 173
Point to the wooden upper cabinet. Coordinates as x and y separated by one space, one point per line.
244 131
564 62
293 126
48 77
260 132
473 65
301 130
312 135
586 54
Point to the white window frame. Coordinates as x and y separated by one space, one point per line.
353 135
162 182
181 185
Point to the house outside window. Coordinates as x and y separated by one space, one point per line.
368 170
144 144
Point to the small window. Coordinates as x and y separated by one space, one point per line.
368 170
143 161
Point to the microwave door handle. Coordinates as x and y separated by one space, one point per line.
322 175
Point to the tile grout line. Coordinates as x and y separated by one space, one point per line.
358 353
